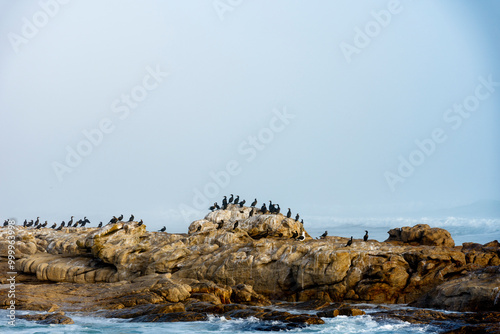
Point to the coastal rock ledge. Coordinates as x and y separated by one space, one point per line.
123 270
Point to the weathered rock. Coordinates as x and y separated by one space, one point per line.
48 319
421 234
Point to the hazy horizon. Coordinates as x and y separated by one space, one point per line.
159 109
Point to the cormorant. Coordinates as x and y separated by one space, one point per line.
131 219
163 229
271 207
100 224
60 227
54 225
302 237
289 213
237 200
120 218
70 221
113 220
251 213
85 220
63 223
235 225
37 220
220 224
230 199
297 217
349 242
302 221
242 203
140 223
5 223
25 223
365 238
277 209
44 224
324 235
254 203
30 223
224 202
39 226
263 208
294 235
212 208
217 207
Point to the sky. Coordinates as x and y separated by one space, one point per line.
160 108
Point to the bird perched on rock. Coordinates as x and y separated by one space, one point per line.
324 235
213 207
86 220
224 202
140 223
45 224
254 203
37 220
25 223
54 225
251 213
365 237
289 213
220 224
100 224
242 203
113 220
263 208
163 229
349 243
39 226
302 237
237 200
297 217
120 218
271 207
131 219
277 209
230 199
5 223
235 225
302 221
70 221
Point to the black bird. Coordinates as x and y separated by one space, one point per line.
349 242
271 207
120 218
224 202
251 213
70 221
163 229
45 224
230 199
39 226
25 223
212 208
302 221
324 235
217 207
297 217
113 220
263 208
235 225
5 223
199 228
140 223
220 224
100 224
54 225
60 227
289 213
30 223
254 203
237 200
365 238
131 219
277 209
242 203
76 224
63 223
37 220
295 235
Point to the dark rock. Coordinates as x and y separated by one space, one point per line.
48 319
172 317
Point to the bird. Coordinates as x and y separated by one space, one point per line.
86 220
224 202
230 198
140 223
70 221
297 217
59 228
277 209
100 224
242 203
237 200
54 225
271 207
131 219
39 226
263 208
113 220
365 238
302 221
235 225
199 228
349 242
289 213
217 207
251 213
37 220
254 203
324 235
5 223
63 223
44 224
120 218
220 224
30 223
25 223
212 208
302 237
163 229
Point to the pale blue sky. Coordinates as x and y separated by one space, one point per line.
353 118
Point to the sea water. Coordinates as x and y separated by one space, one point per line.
219 325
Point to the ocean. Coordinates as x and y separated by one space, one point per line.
479 230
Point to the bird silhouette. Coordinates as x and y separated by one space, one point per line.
163 229
120 218
131 219
324 235
365 237
349 243
242 203
231 199
289 213
297 217
254 203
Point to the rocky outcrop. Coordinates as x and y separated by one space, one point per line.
125 269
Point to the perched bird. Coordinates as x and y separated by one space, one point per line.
349 242
131 219
212 208
54 225
254 203
289 213
297 217
86 220
224 202
120 218
163 229
5 223
25 223
251 213
277 209
324 235
39 226
302 237
63 223
45 224
199 228
220 224
242 203
271 207
217 207
230 198
140 223
113 220
237 200
100 224
60 227
302 221
365 238
70 221
235 225
37 220
263 208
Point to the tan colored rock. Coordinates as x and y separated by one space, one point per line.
421 234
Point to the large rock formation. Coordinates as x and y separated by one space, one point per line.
219 262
